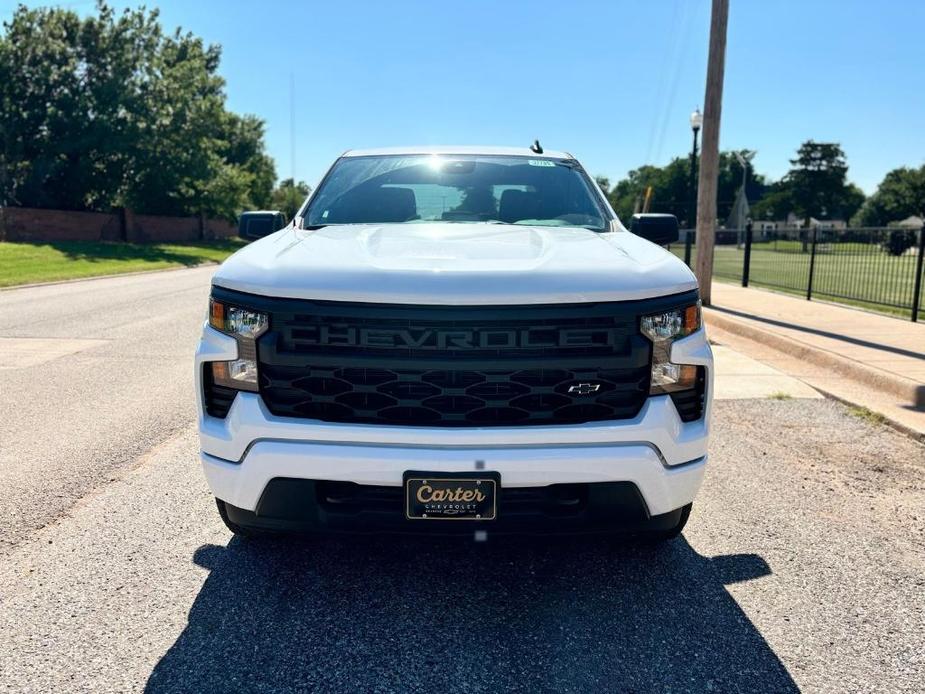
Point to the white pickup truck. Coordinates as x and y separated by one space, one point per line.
456 339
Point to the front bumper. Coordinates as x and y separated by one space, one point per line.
661 455
322 506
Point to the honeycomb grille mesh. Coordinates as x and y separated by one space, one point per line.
451 397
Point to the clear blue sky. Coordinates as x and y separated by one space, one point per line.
612 82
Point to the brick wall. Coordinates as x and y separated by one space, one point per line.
145 228
27 224
219 229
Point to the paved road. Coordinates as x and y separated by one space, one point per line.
71 423
803 566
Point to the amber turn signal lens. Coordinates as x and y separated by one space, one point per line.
217 314
692 318
687 378
220 371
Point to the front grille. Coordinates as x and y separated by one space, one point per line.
451 397
453 366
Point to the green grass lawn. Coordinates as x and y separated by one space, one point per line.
871 280
25 263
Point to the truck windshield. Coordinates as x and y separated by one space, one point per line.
450 188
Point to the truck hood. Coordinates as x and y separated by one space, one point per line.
455 264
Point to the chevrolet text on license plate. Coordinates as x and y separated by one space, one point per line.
451 496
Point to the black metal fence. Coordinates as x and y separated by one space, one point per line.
875 268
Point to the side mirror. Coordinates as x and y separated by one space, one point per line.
660 229
255 225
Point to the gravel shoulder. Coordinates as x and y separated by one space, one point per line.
803 567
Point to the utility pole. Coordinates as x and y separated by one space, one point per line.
709 153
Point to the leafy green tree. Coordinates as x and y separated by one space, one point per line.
776 204
244 148
671 190
289 196
627 193
181 123
730 179
50 78
901 194
818 183
108 110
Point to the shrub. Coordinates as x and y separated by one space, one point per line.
898 241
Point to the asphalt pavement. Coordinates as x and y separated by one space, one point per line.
93 374
803 565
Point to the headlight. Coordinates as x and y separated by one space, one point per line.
663 329
246 326
240 322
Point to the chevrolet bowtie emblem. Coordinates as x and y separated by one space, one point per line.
584 388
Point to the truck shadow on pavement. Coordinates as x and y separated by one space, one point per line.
368 614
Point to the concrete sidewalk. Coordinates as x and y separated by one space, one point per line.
866 359
739 377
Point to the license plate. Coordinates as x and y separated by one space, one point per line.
451 496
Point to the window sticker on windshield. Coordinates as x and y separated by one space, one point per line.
541 162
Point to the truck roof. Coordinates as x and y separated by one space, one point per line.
457 149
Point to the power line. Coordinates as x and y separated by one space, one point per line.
683 48
669 75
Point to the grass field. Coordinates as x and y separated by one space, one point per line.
25 263
858 277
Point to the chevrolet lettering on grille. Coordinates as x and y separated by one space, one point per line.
463 339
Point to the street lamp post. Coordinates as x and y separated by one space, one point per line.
696 122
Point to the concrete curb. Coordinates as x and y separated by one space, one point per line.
912 392
107 277
912 433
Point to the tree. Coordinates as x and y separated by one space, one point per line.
776 204
289 196
60 140
244 148
671 192
106 110
181 125
818 183
626 194
730 179
901 194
